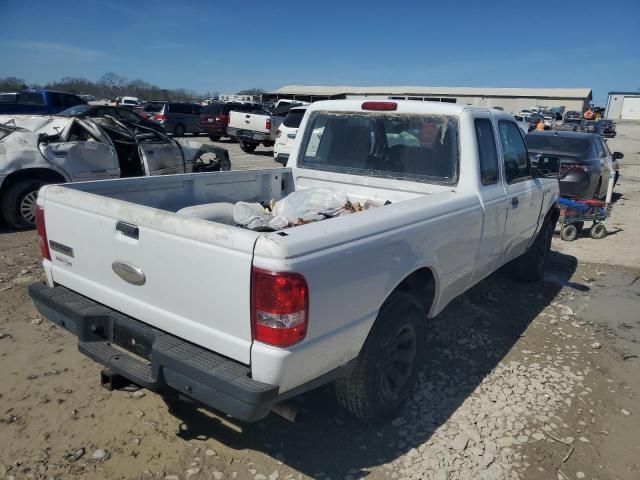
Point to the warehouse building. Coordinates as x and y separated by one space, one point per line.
508 99
623 106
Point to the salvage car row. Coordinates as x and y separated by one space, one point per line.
40 149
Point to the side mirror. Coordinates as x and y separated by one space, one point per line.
545 167
617 155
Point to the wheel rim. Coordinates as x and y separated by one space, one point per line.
28 207
398 359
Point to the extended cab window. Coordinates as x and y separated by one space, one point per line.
514 151
393 145
487 151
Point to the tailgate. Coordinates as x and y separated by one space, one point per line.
249 121
196 273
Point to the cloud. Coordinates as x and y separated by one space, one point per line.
61 49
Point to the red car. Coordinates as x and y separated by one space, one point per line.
215 117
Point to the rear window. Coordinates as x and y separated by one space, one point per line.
293 119
76 111
31 98
556 142
153 107
404 146
214 108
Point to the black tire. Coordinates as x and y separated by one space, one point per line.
569 233
247 147
18 203
598 231
178 130
615 180
386 371
529 267
214 138
596 192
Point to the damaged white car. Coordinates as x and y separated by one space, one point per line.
37 150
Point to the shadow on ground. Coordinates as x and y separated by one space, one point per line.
465 342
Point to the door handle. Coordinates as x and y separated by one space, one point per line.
150 152
514 202
60 153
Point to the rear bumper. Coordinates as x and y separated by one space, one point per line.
576 184
159 360
248 135
213 129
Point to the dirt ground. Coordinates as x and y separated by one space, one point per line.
521 382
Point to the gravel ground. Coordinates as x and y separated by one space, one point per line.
521 382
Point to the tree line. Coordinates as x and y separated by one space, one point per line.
110 86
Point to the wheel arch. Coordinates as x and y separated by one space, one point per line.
48 175
421 284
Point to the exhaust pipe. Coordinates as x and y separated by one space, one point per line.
287 410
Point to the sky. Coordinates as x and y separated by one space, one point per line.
226 46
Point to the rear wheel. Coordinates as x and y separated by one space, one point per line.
247 147
214 138
178 130
19 203
386 370
598 231
529 267
569 233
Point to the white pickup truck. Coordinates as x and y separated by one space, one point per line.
239 319
253 128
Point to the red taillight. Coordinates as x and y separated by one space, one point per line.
225 119
278 133
267 124
279 307
565 168
159 117
386 106
42 233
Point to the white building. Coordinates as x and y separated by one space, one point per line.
509 99
623 106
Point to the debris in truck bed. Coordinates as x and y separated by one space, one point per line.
297 208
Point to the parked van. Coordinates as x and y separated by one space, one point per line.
176 118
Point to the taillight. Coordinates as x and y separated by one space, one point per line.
279 307
278 133
385 106
267 124
225 119
565 168
41 229
160 117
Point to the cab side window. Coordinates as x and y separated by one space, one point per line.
514 152
487 151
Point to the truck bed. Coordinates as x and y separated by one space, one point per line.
201 290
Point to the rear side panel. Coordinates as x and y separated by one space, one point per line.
196 273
